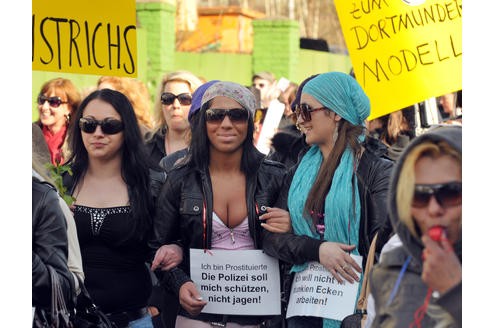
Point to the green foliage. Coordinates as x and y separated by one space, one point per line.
56 172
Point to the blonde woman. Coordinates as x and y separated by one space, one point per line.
419 284
172 105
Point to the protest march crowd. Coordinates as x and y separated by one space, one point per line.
205 212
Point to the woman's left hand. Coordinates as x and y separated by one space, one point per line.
276 220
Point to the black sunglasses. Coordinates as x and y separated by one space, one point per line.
446 194
168 98
108 125
236 115
305 111
52 101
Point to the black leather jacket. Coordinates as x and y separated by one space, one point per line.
179 218
49 246
155 145
373 175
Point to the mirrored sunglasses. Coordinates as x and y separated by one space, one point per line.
236 115
52 101
168 98
108 125
446 194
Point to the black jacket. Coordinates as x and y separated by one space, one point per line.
179 217
373 175
49 246
155 145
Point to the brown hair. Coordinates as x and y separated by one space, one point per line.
137 93
348 136
67 91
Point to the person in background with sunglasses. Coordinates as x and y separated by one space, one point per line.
336 193
114 188
57 101
213 199
173 101
419 283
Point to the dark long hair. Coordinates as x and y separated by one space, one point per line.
200 145
348 137
135 167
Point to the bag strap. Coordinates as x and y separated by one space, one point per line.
365 287
59 308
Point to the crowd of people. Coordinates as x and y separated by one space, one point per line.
124 196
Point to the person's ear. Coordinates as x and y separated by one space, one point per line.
337 117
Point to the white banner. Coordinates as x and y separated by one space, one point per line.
241 282
316 293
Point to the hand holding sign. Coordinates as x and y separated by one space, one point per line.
334 257
190 299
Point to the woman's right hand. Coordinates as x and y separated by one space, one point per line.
190 299
335 258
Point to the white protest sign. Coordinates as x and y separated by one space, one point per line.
316 293
272 119
241 282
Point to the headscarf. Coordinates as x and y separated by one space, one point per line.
297 100
342 94
232 90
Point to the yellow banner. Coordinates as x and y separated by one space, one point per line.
403 51
86 37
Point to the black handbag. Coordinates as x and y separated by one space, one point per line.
87 314
58 316
358 318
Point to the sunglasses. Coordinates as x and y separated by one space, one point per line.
236 115
52 101
446 194
168 98
108 125
305 111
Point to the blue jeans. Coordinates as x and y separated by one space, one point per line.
304 322
144 322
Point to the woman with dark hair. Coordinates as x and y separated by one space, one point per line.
336 194
211 199
113 205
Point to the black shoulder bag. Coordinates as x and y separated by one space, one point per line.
87 314
58 316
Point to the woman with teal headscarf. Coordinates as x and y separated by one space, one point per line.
336 195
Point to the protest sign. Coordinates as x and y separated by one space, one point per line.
403 52
316 293
242 282
87 37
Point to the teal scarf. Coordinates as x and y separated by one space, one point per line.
341 217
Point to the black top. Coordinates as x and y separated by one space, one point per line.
113 260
